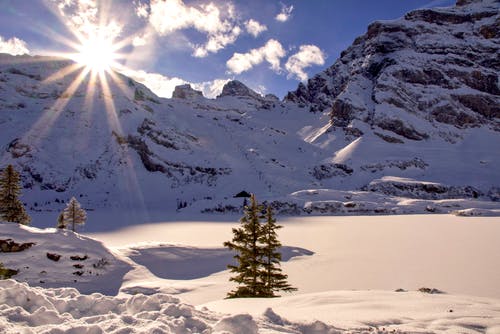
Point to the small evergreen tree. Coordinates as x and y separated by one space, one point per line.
274 279
73 214
248 253
11 208
60 221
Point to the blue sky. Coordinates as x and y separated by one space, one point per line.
269 45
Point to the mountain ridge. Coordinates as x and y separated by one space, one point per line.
388 122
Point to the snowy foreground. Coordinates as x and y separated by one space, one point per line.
171 278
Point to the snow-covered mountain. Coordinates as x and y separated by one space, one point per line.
410 110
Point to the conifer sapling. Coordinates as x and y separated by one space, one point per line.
74 214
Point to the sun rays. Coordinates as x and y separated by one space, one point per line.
86 83
97 53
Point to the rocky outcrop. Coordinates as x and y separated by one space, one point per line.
433 64
327 171
237 88
180 173
186 92
422 190
9 246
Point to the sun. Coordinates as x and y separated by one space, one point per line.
97 54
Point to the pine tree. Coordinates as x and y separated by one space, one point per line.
248 253
272 276
11 208
60 221
74 214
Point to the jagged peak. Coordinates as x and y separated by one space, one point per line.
186 92
237 88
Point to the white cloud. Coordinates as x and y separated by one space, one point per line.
13 46
142 10
255 28
284 15
307 56
216 42
164 86
159 84
272 52
212 88
218 23
82 17
139 41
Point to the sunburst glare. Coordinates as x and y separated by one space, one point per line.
97 53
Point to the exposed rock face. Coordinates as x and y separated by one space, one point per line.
440 65
186 92
237 88
422 190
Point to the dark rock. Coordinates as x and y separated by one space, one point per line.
53 256
447 114
327 171
389 139
18 149
342 113
401 164
79 258
423 77
430 290
6 273
375 68
484 82
481 104
423 190
354 132
398 127
491 31
10 246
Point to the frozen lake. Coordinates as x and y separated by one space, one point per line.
459 255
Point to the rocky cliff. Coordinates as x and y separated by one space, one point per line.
437 67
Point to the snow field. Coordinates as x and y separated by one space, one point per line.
346 268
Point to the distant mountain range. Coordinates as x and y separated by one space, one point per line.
406 120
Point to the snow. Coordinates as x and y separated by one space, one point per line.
146 156
171 278
145 265
101 271
477 212
405 311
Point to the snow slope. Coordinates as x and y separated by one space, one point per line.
84 263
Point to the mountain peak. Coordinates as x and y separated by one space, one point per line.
237 88
186 92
